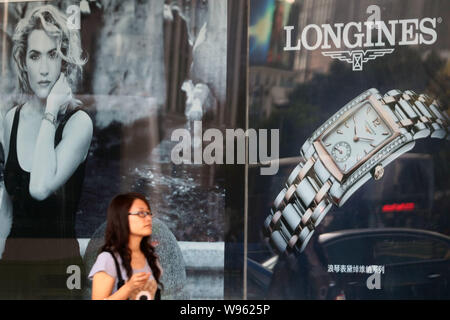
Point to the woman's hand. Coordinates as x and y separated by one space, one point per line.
137 280
59 96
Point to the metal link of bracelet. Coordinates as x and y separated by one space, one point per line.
300 206
420 115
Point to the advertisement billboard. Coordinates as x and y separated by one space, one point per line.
111 83
357 209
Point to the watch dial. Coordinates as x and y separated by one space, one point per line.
355 137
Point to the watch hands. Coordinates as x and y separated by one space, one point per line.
356 138
369 128
363 138
340 151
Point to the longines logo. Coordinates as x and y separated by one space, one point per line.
357 57
364 43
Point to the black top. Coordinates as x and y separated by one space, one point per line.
53 217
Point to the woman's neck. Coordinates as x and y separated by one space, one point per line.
36 104
134 244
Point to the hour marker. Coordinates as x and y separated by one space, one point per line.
368 110
358 158
385 133
328 145
372 145
345 167
346 124
340 132
365 152
376 122
368 129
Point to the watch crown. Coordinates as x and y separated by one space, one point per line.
378 172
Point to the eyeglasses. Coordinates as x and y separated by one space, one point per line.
141 214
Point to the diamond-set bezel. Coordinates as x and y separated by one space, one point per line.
374 161
355 102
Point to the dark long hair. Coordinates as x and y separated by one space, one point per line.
118 232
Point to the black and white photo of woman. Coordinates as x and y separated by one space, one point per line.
46 139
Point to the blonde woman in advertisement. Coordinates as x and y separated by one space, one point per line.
46 142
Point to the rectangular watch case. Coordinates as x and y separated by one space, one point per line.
399 142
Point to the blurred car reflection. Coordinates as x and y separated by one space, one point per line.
415 264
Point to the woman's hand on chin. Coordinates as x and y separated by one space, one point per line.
59 96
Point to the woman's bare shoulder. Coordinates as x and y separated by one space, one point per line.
8 120
80 122
80 117
10 114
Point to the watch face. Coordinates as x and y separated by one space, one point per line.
356 136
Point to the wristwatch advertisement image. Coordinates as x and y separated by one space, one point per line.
358 208
345 152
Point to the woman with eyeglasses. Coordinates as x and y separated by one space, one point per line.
128 253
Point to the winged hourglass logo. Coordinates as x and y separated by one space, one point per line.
357 57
